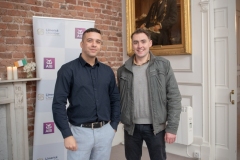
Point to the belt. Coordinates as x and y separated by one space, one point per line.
94 124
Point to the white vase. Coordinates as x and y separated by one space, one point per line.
29 74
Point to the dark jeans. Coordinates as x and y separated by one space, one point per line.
155 143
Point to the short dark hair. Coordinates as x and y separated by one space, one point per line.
91 30
140 30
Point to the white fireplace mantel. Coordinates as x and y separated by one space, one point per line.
13 97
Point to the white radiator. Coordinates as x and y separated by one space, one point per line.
185 128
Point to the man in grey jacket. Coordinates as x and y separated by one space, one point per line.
150 100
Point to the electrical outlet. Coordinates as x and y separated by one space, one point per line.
196 154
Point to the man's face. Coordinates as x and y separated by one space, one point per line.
91 44
141 44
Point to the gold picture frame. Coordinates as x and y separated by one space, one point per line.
184 47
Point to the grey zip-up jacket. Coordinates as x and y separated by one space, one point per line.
164 95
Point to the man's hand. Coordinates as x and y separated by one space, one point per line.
156 27
170 138
70 143
143 26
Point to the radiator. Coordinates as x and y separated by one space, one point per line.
185 128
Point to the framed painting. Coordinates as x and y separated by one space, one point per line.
172 17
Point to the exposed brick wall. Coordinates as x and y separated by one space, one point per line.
16 35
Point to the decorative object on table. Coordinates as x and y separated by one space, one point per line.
17 64
29 68
9 73
15 72
20 63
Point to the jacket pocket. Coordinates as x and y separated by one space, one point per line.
158 83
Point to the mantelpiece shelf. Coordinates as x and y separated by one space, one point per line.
20 80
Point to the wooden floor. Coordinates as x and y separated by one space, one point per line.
118 154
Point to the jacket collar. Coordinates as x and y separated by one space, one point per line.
129 62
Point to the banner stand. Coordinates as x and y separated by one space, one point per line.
56 42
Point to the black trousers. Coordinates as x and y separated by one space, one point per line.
155 143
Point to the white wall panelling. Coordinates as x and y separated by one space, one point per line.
192 96
205 147
186 63
187 100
